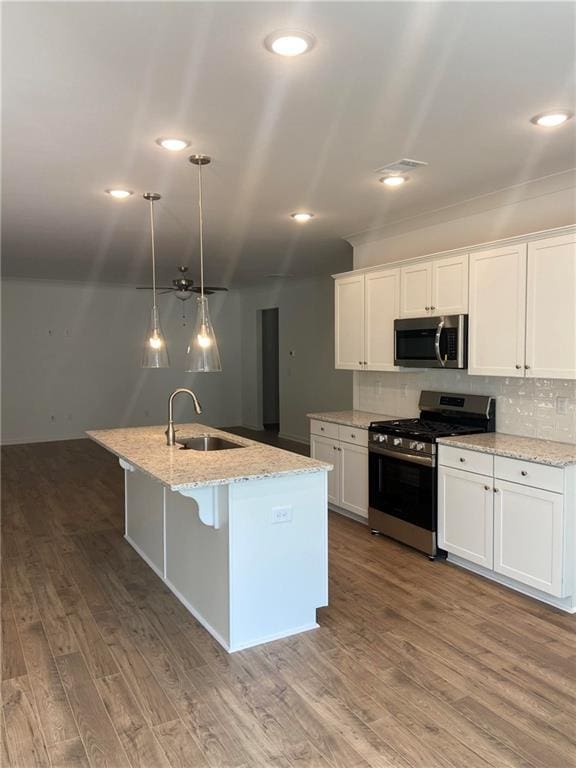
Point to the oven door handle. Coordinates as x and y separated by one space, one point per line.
439 330
413 458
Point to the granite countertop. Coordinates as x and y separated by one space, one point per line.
516 447
145 448
358 419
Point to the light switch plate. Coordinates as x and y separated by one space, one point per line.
281 514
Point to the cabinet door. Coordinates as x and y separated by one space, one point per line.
349 307
416 290
551 308
465 515
354 478
382 307
324 449
529 536
450 286
497 319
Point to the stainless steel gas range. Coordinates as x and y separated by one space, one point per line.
402 464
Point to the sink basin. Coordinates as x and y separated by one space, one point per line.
206 443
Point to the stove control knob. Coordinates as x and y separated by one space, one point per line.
419 446
397 441
413 445
381 438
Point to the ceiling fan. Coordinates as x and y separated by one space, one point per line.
182 287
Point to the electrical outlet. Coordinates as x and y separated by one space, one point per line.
562 405
281 514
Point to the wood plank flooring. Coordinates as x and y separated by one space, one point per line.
415 665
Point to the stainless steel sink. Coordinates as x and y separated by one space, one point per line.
207 443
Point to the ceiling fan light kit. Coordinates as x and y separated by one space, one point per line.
155 353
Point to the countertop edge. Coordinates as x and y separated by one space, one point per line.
322 467
332 417
522 455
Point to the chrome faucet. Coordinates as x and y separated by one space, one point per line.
170 431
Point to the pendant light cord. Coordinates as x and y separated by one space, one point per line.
153 254
201 234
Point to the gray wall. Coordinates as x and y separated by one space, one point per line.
308 380
71 360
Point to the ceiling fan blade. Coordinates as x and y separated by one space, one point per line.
158 288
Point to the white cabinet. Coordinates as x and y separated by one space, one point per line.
438 287
516 521
529 536
416 290
348 482
497 311
551 308
349 322
381 308
326 449
354 478
523 310
465 515
366 306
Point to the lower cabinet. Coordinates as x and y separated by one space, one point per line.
514 529
528 535
465 515
348 481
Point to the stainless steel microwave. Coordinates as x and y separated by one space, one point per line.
431 342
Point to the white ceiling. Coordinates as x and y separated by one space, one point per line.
89 86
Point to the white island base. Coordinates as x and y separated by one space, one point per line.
249 560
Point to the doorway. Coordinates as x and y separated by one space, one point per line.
270 371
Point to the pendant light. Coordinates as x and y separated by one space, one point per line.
202 355
155 354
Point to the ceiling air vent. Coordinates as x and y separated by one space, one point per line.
400 166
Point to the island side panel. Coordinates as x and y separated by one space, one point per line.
197 562
278 557
144 500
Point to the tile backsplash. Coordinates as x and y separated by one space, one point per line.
544 408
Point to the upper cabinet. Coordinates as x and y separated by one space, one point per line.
349 309
366 307
523 310
551 308
497 311
438 287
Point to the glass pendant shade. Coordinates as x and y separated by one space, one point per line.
202 355
155 353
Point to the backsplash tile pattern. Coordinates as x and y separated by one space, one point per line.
543 408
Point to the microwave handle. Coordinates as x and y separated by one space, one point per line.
437 342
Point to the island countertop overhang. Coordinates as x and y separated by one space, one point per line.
145 449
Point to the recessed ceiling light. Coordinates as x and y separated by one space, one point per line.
174 145
552 119
393 181
119 194
289 42
302 216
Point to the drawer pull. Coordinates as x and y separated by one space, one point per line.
462 459
496 490
321 429
487 488
524 473
352 435
518 367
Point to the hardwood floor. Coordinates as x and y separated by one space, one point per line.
416 664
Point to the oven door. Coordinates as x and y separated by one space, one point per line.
431 342
403 487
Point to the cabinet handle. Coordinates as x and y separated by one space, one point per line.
359 362
527 367
321 429
524 473
426 308
518 367
432 307
496 490
365 362
352 435
486 487
462 460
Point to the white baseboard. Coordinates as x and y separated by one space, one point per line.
346 513
294 438
564 604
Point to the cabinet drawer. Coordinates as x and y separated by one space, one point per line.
324 428
529 473
353 435
470 461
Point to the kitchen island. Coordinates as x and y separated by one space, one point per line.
238 535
